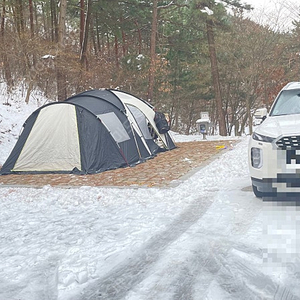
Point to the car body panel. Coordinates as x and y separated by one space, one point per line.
275 126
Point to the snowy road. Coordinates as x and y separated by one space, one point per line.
210 251
208 238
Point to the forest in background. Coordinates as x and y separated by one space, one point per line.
184 56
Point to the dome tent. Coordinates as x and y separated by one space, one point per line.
90 132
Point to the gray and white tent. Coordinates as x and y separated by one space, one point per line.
88 133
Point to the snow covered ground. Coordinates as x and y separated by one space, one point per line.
208 238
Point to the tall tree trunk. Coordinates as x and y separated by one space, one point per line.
6 66
249 116
60 74
32 29
215 76
19 17
108 46
2 19
139 36
45 18
54 23
82 19
31 18
36 14
83 57
117 51
190 117
152 52
93 35
124 43
98 33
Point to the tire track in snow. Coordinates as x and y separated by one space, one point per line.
235 277
221 261
42 279
217 240
217 266
244 281
123 278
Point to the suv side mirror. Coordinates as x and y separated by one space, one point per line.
260 115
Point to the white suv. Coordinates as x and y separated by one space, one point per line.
274 148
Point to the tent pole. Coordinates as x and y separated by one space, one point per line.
137 146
